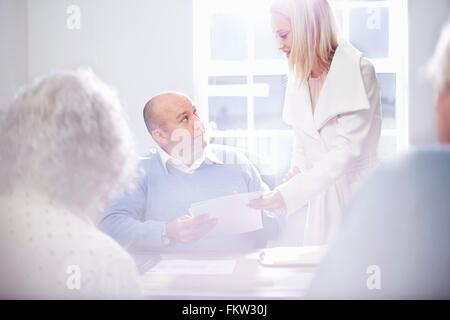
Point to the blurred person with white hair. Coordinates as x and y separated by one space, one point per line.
65 151
394 244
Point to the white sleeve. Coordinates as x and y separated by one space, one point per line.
299 159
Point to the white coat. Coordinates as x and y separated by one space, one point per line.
334 147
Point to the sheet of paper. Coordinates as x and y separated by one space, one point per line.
194 267
232 212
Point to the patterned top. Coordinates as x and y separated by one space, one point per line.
47 252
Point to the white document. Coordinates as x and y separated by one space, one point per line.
194 267
232 212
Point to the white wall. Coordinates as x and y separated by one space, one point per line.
426 18
13 47
141 47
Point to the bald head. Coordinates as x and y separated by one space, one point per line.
164 107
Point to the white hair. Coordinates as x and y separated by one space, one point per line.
66 135
439 65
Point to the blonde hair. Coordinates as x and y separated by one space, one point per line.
439 65
314 34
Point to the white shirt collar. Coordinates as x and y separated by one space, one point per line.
208 157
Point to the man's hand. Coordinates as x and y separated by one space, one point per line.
187 228
291 173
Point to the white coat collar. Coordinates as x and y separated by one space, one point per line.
342 92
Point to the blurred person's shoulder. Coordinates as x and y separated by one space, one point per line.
106 269
435 153
150 162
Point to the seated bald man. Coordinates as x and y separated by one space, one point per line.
184 170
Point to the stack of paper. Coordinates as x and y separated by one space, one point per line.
232 212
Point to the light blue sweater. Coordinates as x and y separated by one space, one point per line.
137 217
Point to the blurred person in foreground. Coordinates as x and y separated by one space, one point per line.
65 150
394 244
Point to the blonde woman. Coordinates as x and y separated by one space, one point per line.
332 103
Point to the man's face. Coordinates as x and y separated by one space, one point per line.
182 133
443 113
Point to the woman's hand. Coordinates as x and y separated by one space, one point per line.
272 201
291 173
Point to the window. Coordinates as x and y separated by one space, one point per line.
240 76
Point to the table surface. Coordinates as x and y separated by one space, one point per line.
249 280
